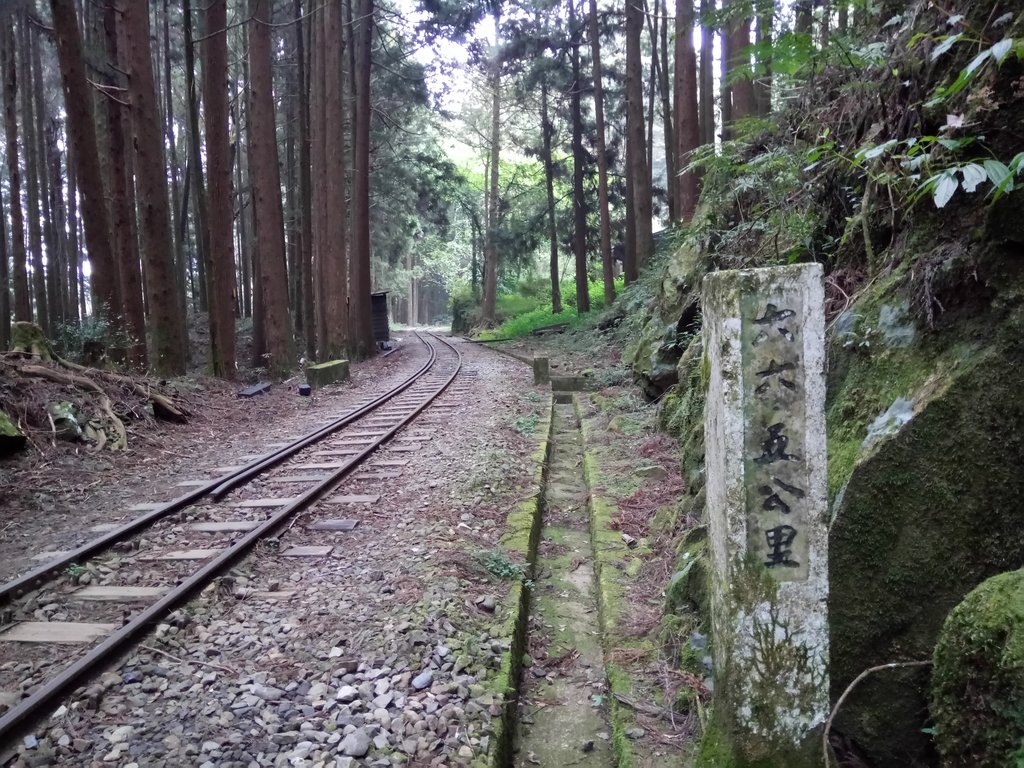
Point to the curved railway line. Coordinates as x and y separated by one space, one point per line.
123 613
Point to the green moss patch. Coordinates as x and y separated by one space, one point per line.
977 691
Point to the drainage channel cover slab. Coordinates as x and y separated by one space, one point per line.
335 525
312 551
225 526
71 632
355 498
117 594
185 554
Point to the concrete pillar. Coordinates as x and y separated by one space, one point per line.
766 497
541 373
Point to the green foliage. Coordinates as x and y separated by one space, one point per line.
535 312
747 201
498 564
526 424
72 339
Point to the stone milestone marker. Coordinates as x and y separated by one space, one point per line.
766 497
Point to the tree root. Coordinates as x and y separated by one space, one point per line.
84 382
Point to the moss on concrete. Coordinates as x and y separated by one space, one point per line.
330 372
977 691
522 532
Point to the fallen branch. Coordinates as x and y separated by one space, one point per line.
825 746
163 406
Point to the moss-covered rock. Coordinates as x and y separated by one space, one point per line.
674 318
924 510
977 689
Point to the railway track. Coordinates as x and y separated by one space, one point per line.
187 543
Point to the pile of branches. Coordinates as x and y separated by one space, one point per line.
107 398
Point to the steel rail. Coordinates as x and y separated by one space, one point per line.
43 699
216 487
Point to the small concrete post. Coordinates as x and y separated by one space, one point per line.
541 374
764 335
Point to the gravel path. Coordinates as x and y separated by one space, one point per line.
381 653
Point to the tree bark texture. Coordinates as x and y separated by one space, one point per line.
221 272
81 131
707 74
22 301
201 221
166 324
120 185
332 249
637 141
31 125
491 245
305 192
687 118
738 62
361 342
265 178
579 202
607 268
547 128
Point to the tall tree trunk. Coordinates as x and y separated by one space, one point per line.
202 224
265 179
607 268
546 129
166 323
5 277
844 18
630 269
639 171
318 188
119 181
44 126
56 245
738 63
579 202
659 43
85 156
687 120
305 194
491 245
332 248
360 313
179 211
804 17
221 272
707 73
74 253
763 40
31 124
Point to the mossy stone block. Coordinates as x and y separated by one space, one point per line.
977 691
323 374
